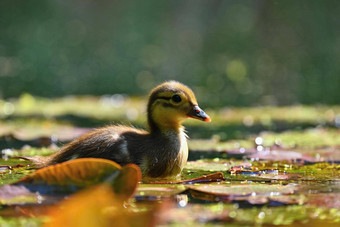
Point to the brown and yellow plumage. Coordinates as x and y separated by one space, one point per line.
160 152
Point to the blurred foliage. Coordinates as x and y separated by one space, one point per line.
132 109
29 118
229 52
305 139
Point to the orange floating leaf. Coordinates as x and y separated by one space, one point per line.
127 181
78 172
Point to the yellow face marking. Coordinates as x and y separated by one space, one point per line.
167 115
169 104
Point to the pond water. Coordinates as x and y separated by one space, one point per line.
279 170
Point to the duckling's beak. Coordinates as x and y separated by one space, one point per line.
199 114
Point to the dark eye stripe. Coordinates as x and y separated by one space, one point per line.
165 98
168 105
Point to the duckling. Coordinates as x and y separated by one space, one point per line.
162 151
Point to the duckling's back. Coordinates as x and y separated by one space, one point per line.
108 142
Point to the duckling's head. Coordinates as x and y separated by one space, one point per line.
170 103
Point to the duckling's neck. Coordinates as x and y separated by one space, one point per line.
165 127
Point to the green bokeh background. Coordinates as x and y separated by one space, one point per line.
240 53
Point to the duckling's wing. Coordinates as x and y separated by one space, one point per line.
109 143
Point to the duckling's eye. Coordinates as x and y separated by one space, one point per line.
176 98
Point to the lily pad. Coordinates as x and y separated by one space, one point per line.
14 171
10 194
80 173
204 178
159 190
245 190
232 214
213 165
329 200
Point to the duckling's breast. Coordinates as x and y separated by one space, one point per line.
182 156
167 156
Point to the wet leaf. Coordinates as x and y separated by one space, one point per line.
78 172
15 171
125 184
329 200
13 194
72 175
20 221
216 164
318 171
231 214
225 190
213 177
159 190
